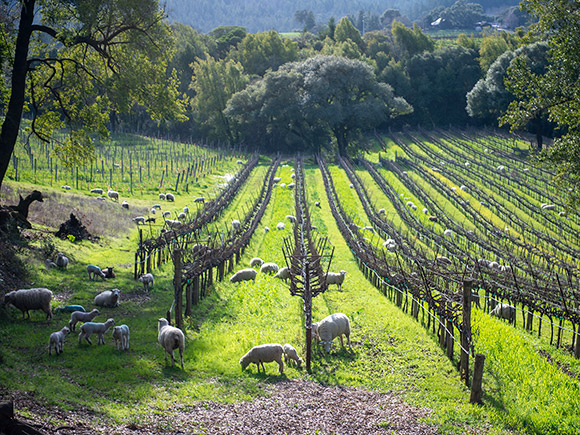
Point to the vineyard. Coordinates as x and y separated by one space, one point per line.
434 229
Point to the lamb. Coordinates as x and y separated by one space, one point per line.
171 338
331 327
161 196
61 261
153 210
264 353
121 336
291 218
269 268
139 220
236 224
170 197
91 328
30 299
317 204
266 229
95 271
283 273
56 341
199 199
351 186
244 275
125 205
49 264
186 210
291 354
280 226
69 309
113 194
109 273
504 311
108 298
256 261
97 190
335 278
147 279
80 316
166 214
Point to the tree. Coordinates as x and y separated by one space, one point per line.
306 18
345 30
494 45
81 71
411 41
555 92
227 38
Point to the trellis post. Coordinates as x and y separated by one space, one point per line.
177 289
465 331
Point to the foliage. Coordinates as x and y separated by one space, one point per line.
411 42
346 31
227 37
494 45
460 15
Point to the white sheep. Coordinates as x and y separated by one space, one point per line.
445 261
61 260
280 226
264 353
562 214
157 206
266 229
166 214
282 184
139 220
147 279
504 311
317 204
548 207
49 264
269 268
199 199
381 211
153 210
161 196
236 224
80 316
283 273
125 205
291 354
277 179
256 261
390 245
90 328
335 278
97 190
425 211
331 327
174 224
113 194
56 341
467 164
292 176
464 188
66 187
244 275
170 338
121 336
291 218
186 210
239 162
95 271
410 204
501 168
351 186
448 233
181 216
493 265
108 298
169 197
30 299
291 185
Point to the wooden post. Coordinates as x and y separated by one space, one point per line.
188 300
308 317
195 295
177 289
577 346
465 331
476 391
168 316
449 334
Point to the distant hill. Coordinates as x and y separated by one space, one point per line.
262 15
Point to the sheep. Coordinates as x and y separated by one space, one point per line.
121 336
464 188
166 214
97 191
335 278
493 265
351 186
331 327
90 328
448 233
236 224
526 169
56 340
277 179
149 220
139 220
239 162
266 229
66 187
50 264
170 338
173 224
199 199
410 204
244 275
562 214
108 298
291 218
453 189
157 206
282 184
292 176
291 185
170 197
153 211
381 211
80 316
181 216
504 311
125 205
109 273
69 309
95 271
30 299
433 218
467 164
501 168
425 211
269 268
390 244
280 226
283 273
113 194
186 210
443 260
548 207
317 204
291 354
147 279
369 228
264 353
61 261
161 196
256 261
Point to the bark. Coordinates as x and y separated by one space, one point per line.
11 124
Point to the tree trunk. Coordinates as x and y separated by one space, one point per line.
11 124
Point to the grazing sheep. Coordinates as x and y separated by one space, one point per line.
199 199
266 229
467 164
291 185
493 265
464 188
264 353
173 224
186 210
66 187
147 279
166 214
283 273
236 224
113 194
97 190
61 261
382 211
161 196
562 214
244 275
56 341
317 204
315 335
139 220
69 309
351 186
280 226
335 278
49 264
292 176
548 207
121 336
170 197
125 205
282 184
504 311
108 298
410 204
239 162
95 271
331 327
109 273
90 328
256 261
277 179
390 244
157 206
153 211
148 220
269 268
181 216
291 354
425 211
483 262
291 218
448 233
171 338
501 168
443 260
30 299
81 316
368 228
